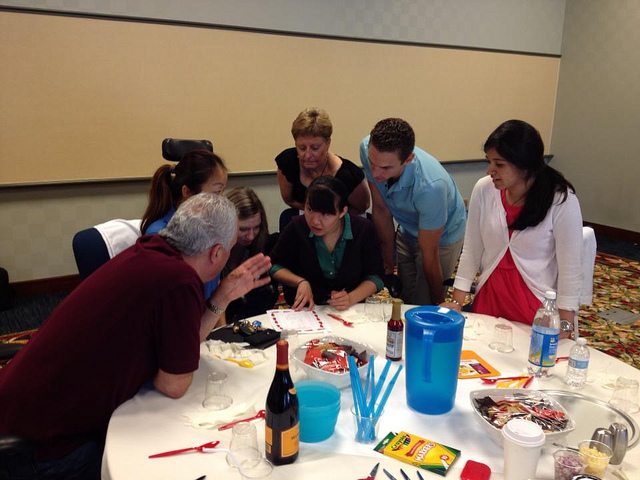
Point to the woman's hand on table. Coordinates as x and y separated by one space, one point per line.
304 296
452 306
340 300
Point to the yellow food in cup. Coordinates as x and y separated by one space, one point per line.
595 461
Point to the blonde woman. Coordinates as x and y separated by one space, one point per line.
312 158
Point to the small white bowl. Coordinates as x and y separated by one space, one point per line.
497 394
340 380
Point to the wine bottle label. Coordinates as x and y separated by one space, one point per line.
290 440
268 439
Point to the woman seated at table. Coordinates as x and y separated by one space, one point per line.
198 171
253 238
524 232
327 256
311 158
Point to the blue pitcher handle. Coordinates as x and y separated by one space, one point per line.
427 344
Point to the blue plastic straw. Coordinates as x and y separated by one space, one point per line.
387 392
354 389
356 385
371 379
376 392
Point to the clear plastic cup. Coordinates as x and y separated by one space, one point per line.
567 463
502 338
595 457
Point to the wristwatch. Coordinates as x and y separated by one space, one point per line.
214 308
566 326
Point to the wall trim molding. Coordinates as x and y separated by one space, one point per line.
614 232
43 286
266 31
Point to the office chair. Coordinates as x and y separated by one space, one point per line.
94 246
173 149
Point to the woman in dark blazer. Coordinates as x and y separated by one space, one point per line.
327 256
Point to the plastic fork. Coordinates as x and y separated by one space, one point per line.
204 448
227 426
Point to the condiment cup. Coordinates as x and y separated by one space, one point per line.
595 456
567 463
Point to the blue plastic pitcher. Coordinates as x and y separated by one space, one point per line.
433 346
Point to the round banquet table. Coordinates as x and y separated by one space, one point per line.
151 422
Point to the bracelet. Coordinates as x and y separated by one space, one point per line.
216 310
298 284
453 300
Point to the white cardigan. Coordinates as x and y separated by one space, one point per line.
548 256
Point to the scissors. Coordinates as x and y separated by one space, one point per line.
373 473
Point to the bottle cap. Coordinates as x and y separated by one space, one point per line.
581 341
550 294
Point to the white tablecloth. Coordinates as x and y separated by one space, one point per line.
151 423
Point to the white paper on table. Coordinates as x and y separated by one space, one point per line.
304 321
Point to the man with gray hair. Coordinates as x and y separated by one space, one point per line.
140 318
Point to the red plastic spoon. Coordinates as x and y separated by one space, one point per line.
205 447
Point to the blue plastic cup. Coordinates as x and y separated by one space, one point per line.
319 405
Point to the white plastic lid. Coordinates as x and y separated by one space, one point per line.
581 341
550 294
524 433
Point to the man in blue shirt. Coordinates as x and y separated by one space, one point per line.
411 187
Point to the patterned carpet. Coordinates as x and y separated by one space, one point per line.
616 284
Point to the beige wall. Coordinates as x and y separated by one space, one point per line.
596 134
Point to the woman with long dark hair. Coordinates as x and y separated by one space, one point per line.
524 232
327 256
198 171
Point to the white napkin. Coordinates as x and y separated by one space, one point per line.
209 419
220 349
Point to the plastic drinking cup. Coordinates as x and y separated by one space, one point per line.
502 338
366 428
318 408
625 395
256 469
214 393
244 440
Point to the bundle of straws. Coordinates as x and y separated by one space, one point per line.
365 397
